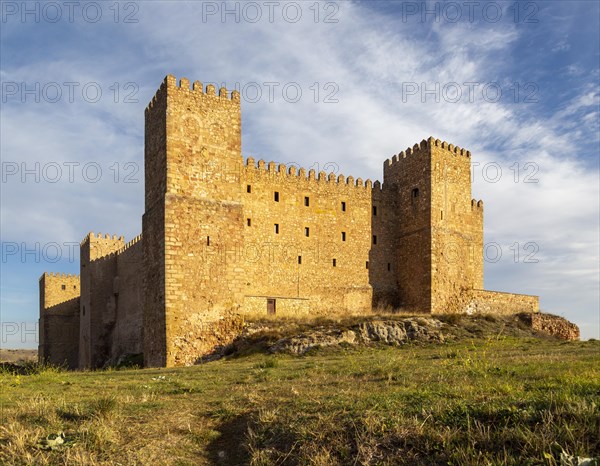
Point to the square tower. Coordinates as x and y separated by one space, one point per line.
192 225
438 228
59 319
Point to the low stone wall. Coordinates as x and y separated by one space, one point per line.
288 307
554 325
327 301
495 302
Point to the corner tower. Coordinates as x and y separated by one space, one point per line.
192 225
59 319
438 234
456 228
98 269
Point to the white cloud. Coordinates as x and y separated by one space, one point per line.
561 46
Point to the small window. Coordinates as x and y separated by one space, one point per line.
374 211
248 189
277 228
64 287
343 206
306 231
83 310
276 196
389 266
374 239
334 263
299 259
415 193
343 236
74 287
367 265
208 240
249 221
306 201
441 215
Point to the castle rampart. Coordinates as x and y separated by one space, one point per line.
111 299
223 238
306 240
59 319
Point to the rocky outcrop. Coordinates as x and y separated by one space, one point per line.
553 325
396 332
302 343
388 332
299 337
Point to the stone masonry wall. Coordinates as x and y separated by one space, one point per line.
285 307
306 236
153 229
111 299
407 183
128 291
439 238
98 264
383 265
231 237
59 319
496 302
456 225
198 137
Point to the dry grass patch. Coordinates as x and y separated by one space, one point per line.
498 400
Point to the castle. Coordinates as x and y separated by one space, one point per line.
223 238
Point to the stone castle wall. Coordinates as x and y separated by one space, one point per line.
406 181
193 137
306 240
496 302
111 299
59 320
456 225
128 289
224 238
438 232
153 229
98 267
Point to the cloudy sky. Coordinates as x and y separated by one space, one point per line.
339 86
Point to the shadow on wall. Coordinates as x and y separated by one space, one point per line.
59 329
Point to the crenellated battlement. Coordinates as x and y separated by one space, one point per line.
92 237
60 275
449 147
57 288
294 174
160 93
170 83
131 243
477 205
423 148
120 251
97 245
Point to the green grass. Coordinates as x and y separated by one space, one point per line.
496 401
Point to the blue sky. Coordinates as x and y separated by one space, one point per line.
387 74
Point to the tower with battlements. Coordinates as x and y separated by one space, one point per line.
225 239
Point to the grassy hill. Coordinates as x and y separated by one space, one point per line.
490 399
